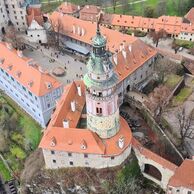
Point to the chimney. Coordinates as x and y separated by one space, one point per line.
124 53
115 59
20 53
66 123
83 32
73 29
130 47
78 7
121 142
73 106
120 48
2 60
9 46
78 30
79 90
87 6
65 3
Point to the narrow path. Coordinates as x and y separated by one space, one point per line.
131 3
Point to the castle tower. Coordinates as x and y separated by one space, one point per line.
101 95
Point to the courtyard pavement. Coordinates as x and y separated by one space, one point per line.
74 69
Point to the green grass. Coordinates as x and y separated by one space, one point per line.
172 80
4 172
18 152
23 137
134 9
184 43
182 96
31 131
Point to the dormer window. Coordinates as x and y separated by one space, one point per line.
53 142
83 145
48 85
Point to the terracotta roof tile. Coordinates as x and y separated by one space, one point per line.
190 15
68 8
184 175
34 14
26 71
70 139
115 40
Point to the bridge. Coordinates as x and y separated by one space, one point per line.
152 166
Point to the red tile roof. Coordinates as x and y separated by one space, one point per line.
70 139
115 40
34 14
190 15
184 175
26 72
68 8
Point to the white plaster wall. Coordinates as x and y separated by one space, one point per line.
17 14
37 36
166 173
78 159
179 190
186 36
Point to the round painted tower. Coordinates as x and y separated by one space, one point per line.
101 95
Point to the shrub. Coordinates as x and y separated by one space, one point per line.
18 152
184 43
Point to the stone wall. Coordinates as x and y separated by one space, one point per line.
61 159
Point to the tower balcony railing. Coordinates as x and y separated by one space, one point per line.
99 97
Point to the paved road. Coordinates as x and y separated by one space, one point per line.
165 45
131 3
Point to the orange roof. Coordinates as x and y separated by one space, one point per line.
115 40
187 28
130 61
184 175
70 94
90 9
190 15
68 8
85 30
70 139
34 14
26 72
152 156
126 20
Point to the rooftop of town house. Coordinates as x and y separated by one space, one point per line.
26 71
184 175
68 8
116 42
34 13
72 139
90 9
190 15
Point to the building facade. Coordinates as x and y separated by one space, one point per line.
86 129
3 17
32 89
16 10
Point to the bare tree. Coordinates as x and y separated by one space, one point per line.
184 122
156 36
54 33
13 37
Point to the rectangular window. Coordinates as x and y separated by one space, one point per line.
112 158
30 93
52 152
85 155
54 161
71 163
23 88
98 110
69 154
